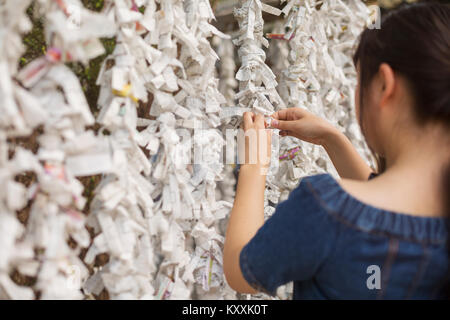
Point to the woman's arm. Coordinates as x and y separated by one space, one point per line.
247 215
347 161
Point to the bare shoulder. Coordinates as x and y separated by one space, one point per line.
374 194
394 195
358 189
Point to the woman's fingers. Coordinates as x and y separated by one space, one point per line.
279 115
289 114
283 125
251 119
283 114
274 115
248 120
259 120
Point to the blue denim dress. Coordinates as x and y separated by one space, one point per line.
333 246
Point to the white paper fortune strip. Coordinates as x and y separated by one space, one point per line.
155 213
320 77
163 53
46 94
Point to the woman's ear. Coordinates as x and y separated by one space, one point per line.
387 79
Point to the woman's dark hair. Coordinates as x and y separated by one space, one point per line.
414 40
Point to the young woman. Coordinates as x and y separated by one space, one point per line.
369 235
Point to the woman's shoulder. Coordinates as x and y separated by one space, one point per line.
344 200
323 186
322 191
331 183
326 192
317 180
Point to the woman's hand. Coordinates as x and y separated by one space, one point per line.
258 141
302 124
247 215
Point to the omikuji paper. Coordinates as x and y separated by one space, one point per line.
165 191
